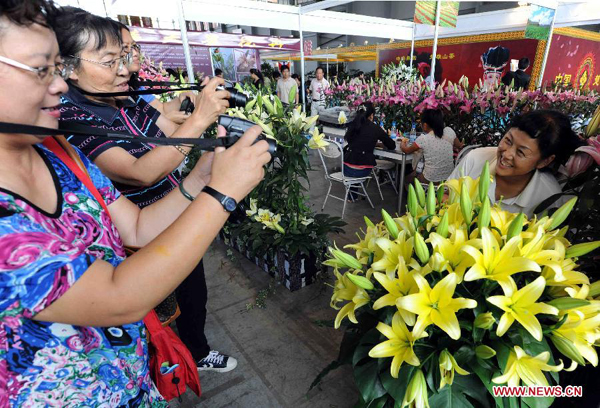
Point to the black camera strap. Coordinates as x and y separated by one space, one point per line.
75 128
137 92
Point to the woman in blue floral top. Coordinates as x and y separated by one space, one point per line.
70 303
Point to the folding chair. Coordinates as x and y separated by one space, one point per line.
335 151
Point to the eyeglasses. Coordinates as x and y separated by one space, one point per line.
43 73
122 62
133 47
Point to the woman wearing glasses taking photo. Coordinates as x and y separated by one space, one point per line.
171 108
70 302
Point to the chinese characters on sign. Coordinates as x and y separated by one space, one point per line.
438 56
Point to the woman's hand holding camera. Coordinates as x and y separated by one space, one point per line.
238 169
210 103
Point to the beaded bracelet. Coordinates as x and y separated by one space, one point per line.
181 151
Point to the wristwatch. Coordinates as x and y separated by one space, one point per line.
228 203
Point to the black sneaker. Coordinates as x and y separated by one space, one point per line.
216 361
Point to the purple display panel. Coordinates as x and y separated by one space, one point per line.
172 56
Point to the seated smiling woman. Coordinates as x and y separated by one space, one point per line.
70 303
536 144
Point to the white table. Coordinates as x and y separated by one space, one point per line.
396 156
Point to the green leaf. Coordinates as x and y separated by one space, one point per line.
537 402
449 397
292 95
396 387
367 380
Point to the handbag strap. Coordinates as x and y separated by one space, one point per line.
67 154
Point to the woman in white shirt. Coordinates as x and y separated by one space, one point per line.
438 153
535 145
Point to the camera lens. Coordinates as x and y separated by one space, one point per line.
237 99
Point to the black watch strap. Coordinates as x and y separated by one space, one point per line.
228 203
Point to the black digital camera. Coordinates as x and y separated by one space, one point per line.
236 99
236 127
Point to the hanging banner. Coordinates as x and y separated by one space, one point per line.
234 62
425 13
573 61
539 22
172 56
487 61
214 39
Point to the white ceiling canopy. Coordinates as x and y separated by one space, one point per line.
270 15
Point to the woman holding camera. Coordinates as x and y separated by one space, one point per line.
71 303
142 172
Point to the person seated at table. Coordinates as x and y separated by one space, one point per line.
71 303
450 135
362 137
437 151
532 149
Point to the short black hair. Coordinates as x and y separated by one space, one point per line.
284 67
319 68
295 76
25 13
553 132
276 74
218 71
435 119
523 63
75 28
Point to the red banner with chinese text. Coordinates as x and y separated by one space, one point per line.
454 61
573 61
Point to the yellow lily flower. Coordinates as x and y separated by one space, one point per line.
447 254
367 245
317 141
455 185
567 276
447 367
309 122
436 306
398 283
495 263
501 219
416 392
393 252
346 290
253 207
269 220
407 223
533 250
520 305
399 345
523 367
342 118
583 331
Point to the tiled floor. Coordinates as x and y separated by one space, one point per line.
281 348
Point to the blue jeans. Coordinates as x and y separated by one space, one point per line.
352 172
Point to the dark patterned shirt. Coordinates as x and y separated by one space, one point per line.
134 117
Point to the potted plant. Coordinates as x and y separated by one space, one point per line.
457 297
280 232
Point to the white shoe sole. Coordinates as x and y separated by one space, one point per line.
218 370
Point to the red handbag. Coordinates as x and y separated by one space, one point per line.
172 366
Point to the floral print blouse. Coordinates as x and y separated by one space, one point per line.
41 256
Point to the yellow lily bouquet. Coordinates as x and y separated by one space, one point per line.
458 296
